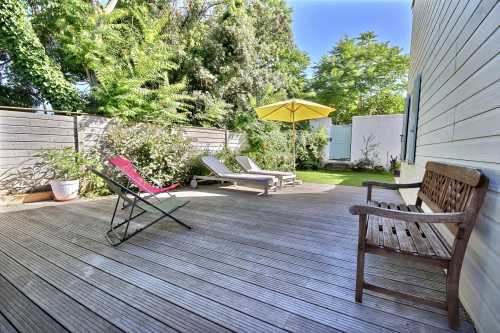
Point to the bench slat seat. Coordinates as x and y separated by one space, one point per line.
419 239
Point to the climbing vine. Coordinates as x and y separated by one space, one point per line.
29 60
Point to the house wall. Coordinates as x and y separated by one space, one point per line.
455 47
386 133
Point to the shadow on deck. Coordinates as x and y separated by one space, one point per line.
250 264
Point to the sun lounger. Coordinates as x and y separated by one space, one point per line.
219 172
249 166
162 207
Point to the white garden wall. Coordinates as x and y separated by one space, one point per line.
386 130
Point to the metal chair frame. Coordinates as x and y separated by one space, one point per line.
134 201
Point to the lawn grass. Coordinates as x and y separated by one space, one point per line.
352 178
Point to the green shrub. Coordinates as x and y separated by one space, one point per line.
66 164
309 147
270 147
196 166
228 157
162 154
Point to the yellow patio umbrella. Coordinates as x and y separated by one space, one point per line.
292 111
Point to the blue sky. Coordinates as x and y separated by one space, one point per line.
319 24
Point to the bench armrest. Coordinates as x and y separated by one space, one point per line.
391 186
370 184
408 216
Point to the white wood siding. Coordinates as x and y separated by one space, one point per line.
455 46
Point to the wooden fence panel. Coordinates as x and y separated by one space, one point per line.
92 131
24 134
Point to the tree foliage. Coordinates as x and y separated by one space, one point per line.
202 62
28 61
361 76
238 54
206 62
122 56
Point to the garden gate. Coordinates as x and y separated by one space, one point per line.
340 145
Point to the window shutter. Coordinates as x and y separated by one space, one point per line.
411 145
404 133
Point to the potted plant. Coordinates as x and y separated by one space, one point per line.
395 166
67 167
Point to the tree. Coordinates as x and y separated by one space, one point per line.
132 63
28 62
120 52
207 62
361 76
238 54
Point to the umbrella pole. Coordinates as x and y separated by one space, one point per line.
293 140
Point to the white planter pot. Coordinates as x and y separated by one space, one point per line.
65 189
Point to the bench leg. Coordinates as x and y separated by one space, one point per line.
452 298
360 269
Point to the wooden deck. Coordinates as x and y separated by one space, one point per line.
250 264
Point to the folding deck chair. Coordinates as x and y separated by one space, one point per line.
134 200
134 177
249 166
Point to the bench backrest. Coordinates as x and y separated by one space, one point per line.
452 188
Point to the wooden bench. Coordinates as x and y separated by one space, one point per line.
454 194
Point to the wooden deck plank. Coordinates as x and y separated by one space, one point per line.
331 289
299 261
166 312
14 306
249 265
177 287
436 286
162 254
204 223
111 309
323 253
333 265
375 316
182 271
350 283
190 234
265 243
164 246
6 326
72 315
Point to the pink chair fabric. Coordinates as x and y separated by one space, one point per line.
128 169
